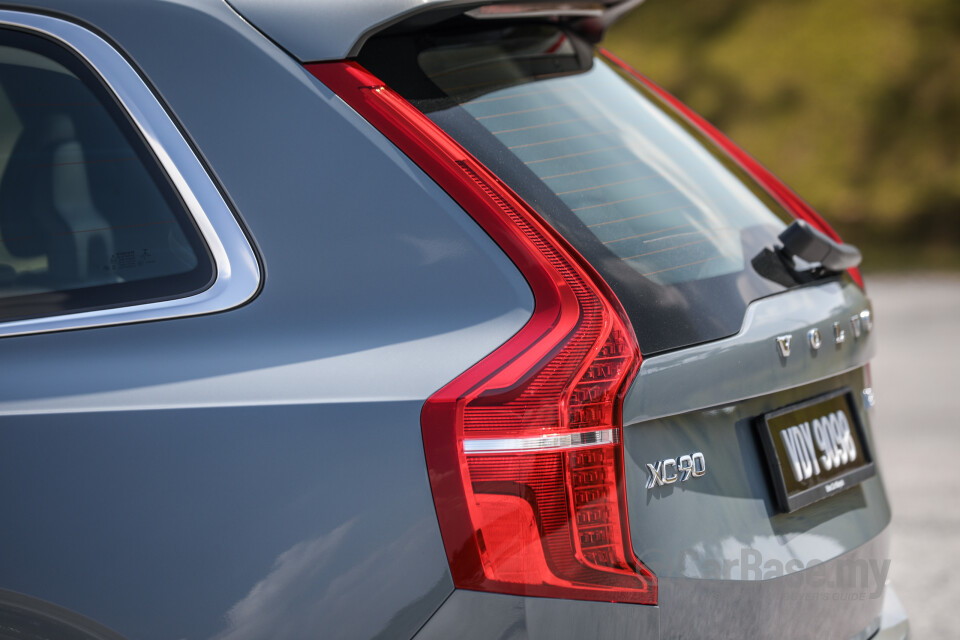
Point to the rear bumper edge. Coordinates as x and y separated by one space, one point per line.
894 624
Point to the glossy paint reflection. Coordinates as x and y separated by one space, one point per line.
159 524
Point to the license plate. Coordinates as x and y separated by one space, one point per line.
815 449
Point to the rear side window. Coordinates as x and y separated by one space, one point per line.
87 218
667 220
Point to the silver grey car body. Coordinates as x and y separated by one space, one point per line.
247 462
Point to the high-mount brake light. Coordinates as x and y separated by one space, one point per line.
524 449
784 195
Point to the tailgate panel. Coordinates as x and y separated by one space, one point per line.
730 562
706 527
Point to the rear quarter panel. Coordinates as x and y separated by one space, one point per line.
257 472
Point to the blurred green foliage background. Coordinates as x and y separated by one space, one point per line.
854 103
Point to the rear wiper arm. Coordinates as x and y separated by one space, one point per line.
802 241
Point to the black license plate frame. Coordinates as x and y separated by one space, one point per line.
797 462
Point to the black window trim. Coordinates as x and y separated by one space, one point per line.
237 270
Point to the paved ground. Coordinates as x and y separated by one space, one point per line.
916 375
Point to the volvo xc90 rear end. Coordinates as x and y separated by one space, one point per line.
524 348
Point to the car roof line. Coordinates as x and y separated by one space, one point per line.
319 30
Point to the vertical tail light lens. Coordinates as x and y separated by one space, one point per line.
779 191
524 449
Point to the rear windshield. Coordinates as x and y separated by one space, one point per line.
664 217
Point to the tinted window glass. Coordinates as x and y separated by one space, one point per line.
651 194
668 221
87 219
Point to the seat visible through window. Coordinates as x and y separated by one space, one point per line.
87 218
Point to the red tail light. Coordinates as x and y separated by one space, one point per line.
780 192
524 449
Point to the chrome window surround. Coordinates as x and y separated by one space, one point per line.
237 277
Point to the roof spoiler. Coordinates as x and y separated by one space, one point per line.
318 30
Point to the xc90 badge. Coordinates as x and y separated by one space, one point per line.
672 470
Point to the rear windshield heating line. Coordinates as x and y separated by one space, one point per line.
574 155
646 195
609 184
649 233
582 135
642 215
546 124
689 264
679 246
510 97
575 173
533 110
706 232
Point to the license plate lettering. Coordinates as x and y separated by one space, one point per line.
814 448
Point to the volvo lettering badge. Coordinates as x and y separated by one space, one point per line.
860 324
